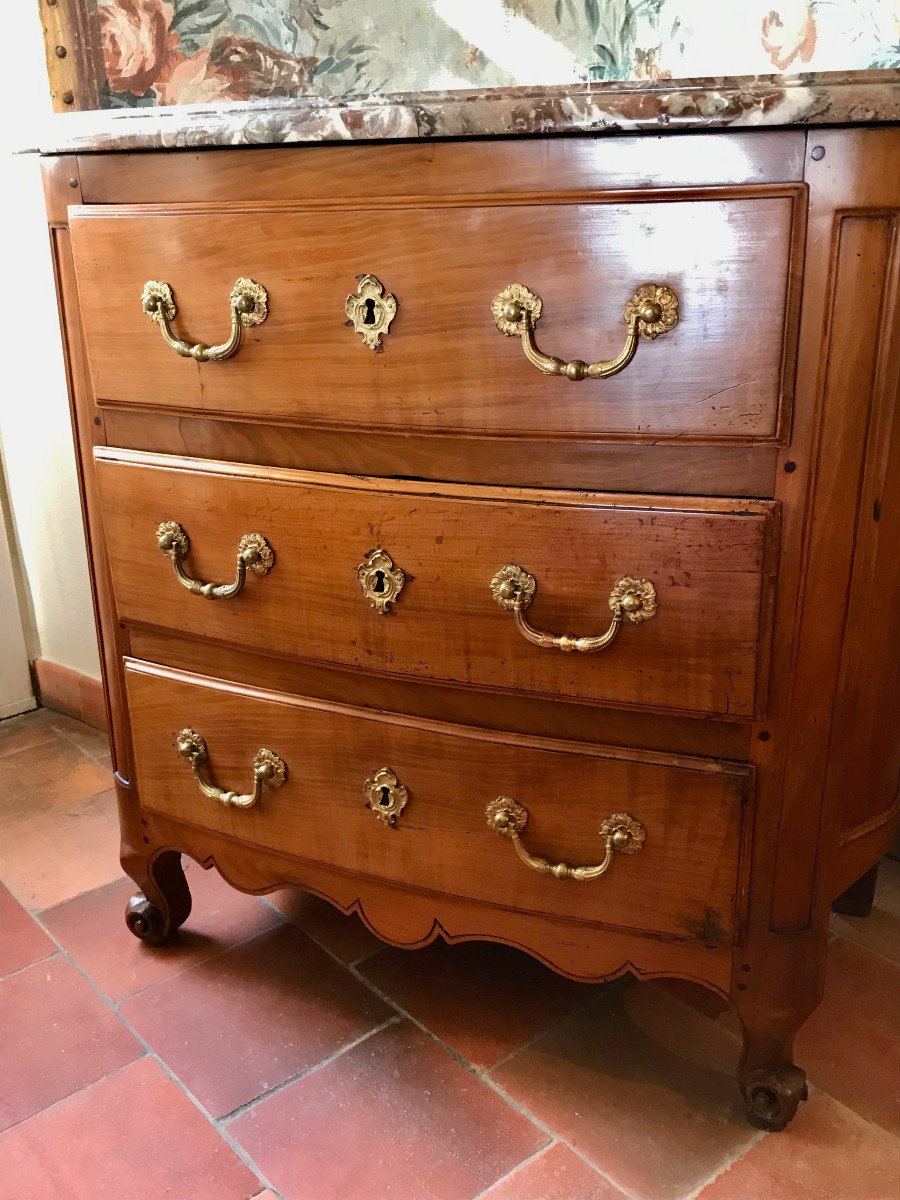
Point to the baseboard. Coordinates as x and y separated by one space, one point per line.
70 692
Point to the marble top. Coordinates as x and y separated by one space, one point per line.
832 98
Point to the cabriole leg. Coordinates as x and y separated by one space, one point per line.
771 1083
163 903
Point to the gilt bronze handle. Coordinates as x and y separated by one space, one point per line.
253 554
632 600
249 306
651 311
621 834
268 771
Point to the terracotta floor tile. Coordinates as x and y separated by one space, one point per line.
395 1117
880 930
92 928
56 778
556 1174
345 937
827 1154
132 1136
22 941
483 1000
52 856
56 1036
25 733
94 742
642 1085
850 1046
238 1024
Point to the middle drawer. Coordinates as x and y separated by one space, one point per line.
461 584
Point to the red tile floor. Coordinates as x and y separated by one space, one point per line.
278 1050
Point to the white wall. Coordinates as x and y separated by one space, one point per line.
38 461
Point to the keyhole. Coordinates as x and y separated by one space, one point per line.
369 316
378 585
385 797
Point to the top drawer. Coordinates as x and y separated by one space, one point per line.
444 366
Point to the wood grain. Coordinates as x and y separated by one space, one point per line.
431 699
666 469
709 561
682 883
406 917
334 173
445 368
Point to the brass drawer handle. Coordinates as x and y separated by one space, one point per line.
622 834
253 553
651 311
632 600
249 306
268 771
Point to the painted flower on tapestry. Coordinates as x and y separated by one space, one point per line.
235 69
137 42
788 32
257 70
194 80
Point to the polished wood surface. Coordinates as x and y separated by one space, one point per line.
473 168
704 651
445 368
682 883
657 469
431 699
793 503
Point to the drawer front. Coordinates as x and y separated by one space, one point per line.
443 365
681 882
703 651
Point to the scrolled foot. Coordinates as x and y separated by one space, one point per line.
146 921
772 1097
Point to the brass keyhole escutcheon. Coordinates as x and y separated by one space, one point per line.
381 582
370 310
385 796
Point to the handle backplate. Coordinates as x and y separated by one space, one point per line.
621 834
253 554
651 311
632 600
268 771
248 302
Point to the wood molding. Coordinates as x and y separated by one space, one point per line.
71 692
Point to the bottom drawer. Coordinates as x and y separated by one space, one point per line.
434 806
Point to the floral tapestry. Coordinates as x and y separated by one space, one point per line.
207 51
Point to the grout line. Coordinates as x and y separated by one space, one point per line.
86 1087
518 1167
834 936
727 1164
189 966
67 737
53 956
325 1062
574 1012
482 1074
558 1137
166 1069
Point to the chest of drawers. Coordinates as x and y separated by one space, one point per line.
515 557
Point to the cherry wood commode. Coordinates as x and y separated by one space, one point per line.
501 543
